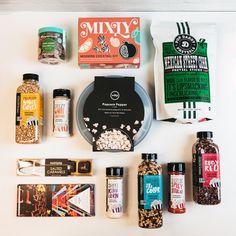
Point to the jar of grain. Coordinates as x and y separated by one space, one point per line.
206 170
150 197
29 110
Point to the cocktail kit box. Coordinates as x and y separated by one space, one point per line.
54 167
109 42
55 200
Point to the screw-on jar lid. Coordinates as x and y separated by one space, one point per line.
114 171
149 156
61 93
176 166
204 134
30 76
51 29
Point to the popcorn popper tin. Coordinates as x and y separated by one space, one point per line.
109 42
114 113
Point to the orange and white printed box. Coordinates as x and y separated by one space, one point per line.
109 42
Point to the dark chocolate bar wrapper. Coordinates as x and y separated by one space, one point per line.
55 200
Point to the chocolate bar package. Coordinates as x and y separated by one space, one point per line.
54 167
55 200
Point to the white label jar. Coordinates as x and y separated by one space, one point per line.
114 192
61 113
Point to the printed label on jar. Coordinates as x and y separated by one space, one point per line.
150 192
211 170
61 117
29 109
177 191
114 196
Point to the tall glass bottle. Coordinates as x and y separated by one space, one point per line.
29 110
150 197
206 170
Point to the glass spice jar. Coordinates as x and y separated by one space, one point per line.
150 190
176 172
61 113
29 111
206 170
114 192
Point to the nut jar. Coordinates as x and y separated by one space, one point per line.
150 197
29 111
206 170
52 45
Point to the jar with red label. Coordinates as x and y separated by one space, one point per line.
206 170
176 172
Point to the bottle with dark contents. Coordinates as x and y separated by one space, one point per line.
176 172
150 197
206 170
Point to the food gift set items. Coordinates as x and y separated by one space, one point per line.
29 111
206 170
61 112
150 199
114 113
176 172
184 69
109 42
52 45
114 192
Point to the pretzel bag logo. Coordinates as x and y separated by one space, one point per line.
109 42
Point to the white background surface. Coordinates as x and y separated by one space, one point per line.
18 48
117 5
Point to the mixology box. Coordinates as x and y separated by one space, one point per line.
109 42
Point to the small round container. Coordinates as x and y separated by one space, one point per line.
52 45
148 113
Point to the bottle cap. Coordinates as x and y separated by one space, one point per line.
30 76
176 166
61 93
204 134
149 156
115 171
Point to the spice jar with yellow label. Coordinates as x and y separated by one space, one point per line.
29 111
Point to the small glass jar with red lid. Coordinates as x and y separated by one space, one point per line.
176 172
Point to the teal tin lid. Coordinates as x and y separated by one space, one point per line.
51 29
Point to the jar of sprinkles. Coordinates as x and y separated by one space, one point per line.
52 45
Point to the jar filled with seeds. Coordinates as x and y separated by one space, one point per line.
29 110
150 197
206 170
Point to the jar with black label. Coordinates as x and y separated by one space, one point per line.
61 113
150 190
114 192
206 170
176 172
